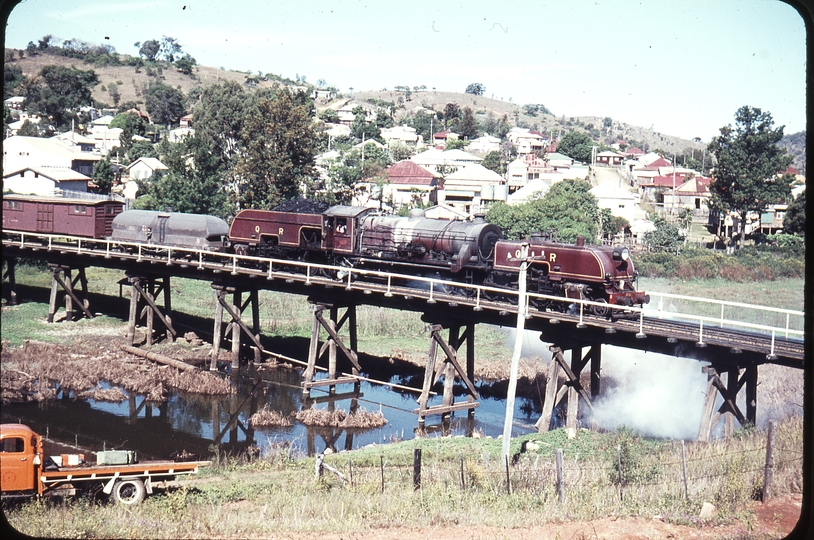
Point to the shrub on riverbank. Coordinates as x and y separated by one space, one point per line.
747 264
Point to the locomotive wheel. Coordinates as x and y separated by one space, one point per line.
129 492
601 311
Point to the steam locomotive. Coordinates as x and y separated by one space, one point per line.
471 252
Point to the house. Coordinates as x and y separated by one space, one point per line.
618 199
444 211
484 145
44 181
633 153
15 126
106 139
145 167
471 186
186 121
337 130
440 139
16 103
323 95
435 160
179 134
534 189
101 123
527 141
76 141
524 169
693 194
559 161
409 183
771 219
346 116
405 135
611 159
20 152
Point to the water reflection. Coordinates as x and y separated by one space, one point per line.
202 425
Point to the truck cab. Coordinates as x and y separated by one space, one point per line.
20 460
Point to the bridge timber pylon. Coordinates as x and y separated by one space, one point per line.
733 363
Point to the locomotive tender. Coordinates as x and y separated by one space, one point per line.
472 252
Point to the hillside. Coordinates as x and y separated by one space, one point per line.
132 85
795 144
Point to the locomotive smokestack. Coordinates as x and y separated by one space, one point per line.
580 241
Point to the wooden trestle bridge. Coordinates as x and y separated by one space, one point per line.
731 348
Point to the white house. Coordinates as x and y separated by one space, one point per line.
36 152
484 144
179 134
405 135
44 181
470 186
619 200
434 158
145 167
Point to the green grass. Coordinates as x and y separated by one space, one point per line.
278 495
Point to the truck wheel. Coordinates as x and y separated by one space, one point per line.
129 492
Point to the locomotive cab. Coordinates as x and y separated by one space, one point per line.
340 228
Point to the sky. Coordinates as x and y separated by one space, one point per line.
681 67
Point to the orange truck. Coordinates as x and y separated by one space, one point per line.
26 473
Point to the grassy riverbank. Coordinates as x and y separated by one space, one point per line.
463 484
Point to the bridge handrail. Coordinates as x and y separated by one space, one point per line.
433 283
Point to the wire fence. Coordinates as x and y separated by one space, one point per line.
716 472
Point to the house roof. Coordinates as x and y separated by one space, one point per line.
408 172
635 151
151 162
475 172
74 138
660 162
556 156
57 174
47 146
434 156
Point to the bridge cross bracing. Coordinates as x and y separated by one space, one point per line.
705 329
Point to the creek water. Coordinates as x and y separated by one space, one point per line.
202 425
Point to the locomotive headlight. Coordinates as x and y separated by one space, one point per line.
621 254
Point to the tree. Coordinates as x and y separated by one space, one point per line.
452 112
220 115
193 182
577 145
169 48
795 220
60 92
149 49
468 127
103 175
568 209
280 141
475 88
748 174
330 116
165 104
131 124
494 162
28 129
666 237
185 64
12 78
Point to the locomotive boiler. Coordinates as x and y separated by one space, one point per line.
354 236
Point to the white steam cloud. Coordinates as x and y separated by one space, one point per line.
654 394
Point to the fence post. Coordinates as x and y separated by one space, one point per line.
684 468
381 460
416 469
350 472
560 475
508 479
463 481
768 472
619 466
319 466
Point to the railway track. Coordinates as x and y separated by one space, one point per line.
495 306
